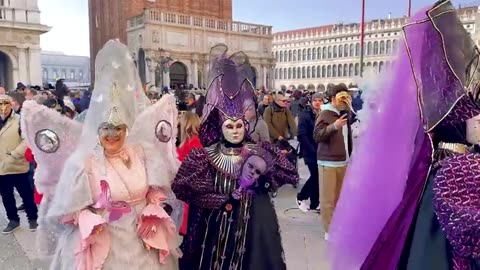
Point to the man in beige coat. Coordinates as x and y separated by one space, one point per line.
14 168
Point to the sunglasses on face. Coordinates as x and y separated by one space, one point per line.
5 103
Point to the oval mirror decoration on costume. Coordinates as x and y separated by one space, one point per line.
47 141
163 131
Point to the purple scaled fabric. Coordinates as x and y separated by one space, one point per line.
380 166
456 191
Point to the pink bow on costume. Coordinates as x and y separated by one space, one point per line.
115 209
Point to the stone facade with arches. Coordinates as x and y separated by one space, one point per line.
177 47
20 54
330 54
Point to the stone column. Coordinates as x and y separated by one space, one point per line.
195 73
264 80
35 67
22 67
166 77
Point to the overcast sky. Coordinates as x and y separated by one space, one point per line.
69 18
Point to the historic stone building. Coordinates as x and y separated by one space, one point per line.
75 70
315 58
173 48
20 31
108 18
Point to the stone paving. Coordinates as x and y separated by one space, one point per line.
302 236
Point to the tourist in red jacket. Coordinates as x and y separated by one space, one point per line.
37 197
189 127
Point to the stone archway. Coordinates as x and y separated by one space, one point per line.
178 74
321 88
6 71
311 87
301 87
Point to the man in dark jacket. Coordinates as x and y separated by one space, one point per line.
308 146
334 137
280 121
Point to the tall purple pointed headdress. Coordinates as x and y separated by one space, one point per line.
230 92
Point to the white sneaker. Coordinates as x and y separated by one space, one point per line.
325 236
302 205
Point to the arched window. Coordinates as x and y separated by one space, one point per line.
319 53
285 73
334 71
345 51
289 73
369 48
329 71
340 71
308 72
290 56
281 56
314 72
304 56
388 49
375 48
277 56
357 69
345 70
324 72
335 51
380 66
382 47
319 72
314 54
299 73
394 46
357 49
324 53
281 74
369 64
299 55
340 51
303 73
309 54
352 50
375 66
276 74
294 73
350 70
294 56
329 52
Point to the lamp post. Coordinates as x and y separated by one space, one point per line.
409 8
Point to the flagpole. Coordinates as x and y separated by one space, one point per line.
409 8
362 38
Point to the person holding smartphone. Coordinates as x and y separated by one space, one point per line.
333 134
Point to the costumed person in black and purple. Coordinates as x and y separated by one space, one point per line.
423 200
232 223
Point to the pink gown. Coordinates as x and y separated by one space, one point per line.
117 244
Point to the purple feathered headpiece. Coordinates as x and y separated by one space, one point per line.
230 92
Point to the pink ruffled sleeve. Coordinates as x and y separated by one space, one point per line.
164 239
95 241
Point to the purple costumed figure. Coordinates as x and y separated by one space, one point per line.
400 188
232 223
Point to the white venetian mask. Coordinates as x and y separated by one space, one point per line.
233 130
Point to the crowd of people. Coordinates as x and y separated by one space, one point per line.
127 179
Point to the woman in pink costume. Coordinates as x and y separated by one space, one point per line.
105 186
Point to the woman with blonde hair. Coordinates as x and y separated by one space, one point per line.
189 126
